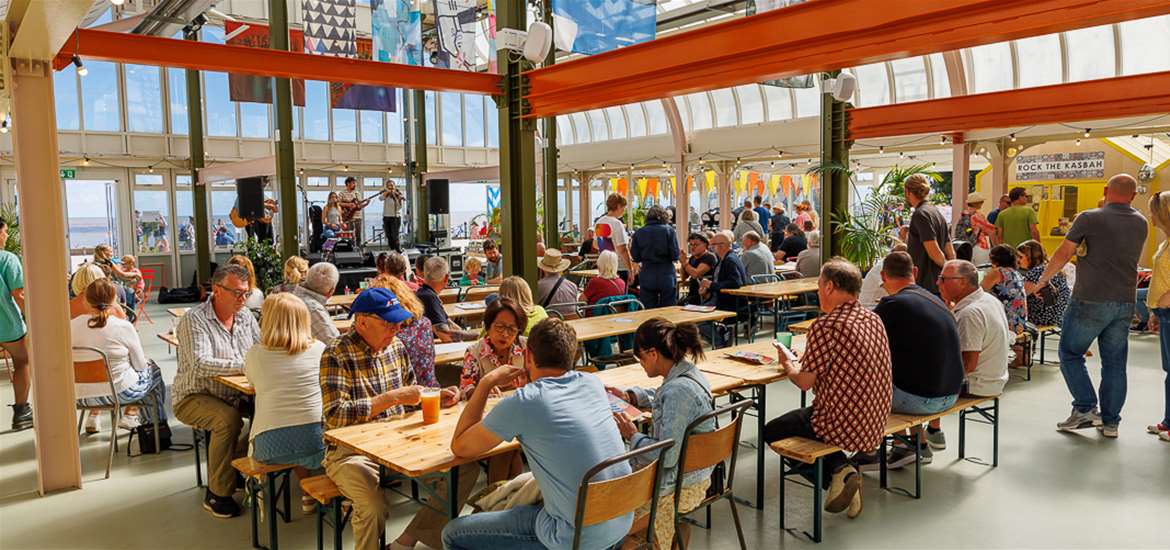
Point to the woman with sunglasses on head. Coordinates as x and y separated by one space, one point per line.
669 351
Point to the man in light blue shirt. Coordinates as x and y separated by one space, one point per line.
565 426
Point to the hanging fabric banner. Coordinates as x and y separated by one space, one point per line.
330 28
456 24
690 183
604 25
673 184
623 187
741 182
806 181
397 32
258 89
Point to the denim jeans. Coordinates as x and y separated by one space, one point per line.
1164 335
1143 311
512 528
905 402
1108 323
658 297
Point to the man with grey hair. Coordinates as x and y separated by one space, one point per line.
757 259
319 285
984 336
1108 242
808 262
213 339
435 277
847 365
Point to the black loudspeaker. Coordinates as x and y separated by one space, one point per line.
251 194
348 259
438 197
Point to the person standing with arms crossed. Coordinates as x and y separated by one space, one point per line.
1108 242
391 219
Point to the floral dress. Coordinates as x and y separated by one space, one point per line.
420 350
1010 291
1050 313
480 359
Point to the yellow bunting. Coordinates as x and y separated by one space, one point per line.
773 183
710 175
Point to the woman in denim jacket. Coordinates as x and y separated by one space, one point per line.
662 348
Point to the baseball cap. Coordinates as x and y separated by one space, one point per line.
381 302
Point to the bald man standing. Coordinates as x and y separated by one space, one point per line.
1108 242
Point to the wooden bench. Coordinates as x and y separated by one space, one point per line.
329 500
812 452
1044 331
171 340
262 479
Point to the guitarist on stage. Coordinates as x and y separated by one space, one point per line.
391 220
351 203
257 228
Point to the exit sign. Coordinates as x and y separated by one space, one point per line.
68 173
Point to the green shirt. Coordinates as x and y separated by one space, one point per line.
11 278
1016 223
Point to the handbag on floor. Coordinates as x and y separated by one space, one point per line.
145 434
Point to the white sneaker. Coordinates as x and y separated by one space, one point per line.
93 423
128 422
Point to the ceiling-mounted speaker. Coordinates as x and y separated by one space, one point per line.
842 87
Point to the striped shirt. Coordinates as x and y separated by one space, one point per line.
207 350
353 374
320 322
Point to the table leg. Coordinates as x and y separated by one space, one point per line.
761 392
453 493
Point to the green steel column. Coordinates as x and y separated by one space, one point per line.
285 161
552 235
198 189
416 161
517 156
835 184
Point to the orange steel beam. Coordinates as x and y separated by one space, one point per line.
811 37
167 52
1146 94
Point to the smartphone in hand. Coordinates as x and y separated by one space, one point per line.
783 349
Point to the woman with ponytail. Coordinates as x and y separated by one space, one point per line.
134 375
667 350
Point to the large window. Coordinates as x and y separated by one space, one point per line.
99 97
65 97
184 214
473 120
394 120
371 122
144 110
1039 58
1090 53
493 122
223 233
316 110
254 120
992 67
344 125
151 215
177 89
432 119
452 106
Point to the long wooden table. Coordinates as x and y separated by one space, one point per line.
447 295
178 312
777 293
617 324
633 375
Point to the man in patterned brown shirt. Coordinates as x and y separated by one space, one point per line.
366 377
847 364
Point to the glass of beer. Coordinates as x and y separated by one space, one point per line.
430 405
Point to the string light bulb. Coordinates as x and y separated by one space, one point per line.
4 126
346 168
881 149
942 140
809 161
85 161
901 154
117 2
1088 132
81 70
1013 136
150 169
702 161
1078 142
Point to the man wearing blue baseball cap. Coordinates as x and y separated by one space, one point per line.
366 377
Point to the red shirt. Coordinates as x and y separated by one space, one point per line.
848 351
598 288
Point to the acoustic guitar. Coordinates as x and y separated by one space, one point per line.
347 213
242 222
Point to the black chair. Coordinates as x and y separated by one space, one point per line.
600 501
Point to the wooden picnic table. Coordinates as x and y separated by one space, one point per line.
178 311
802 327
775 291
633 375
617 324
719 362
237 382
468 310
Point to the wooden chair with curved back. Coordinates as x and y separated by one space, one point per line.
600 501
702 450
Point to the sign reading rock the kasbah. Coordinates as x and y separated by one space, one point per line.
1061 166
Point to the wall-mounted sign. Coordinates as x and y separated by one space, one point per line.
1061 166
68 174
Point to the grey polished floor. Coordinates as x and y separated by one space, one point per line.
1051 490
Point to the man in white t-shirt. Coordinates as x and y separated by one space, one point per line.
391 219
610 234
984 337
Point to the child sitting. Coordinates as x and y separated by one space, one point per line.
134 276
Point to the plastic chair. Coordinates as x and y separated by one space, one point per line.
707 449
600 501
97 371
148 276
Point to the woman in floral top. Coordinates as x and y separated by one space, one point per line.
1005 283
502 344
1046 307
415 334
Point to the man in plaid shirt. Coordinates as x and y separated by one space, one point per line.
366 377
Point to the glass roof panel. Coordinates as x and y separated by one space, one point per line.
617 122
656 118
751 104
580 128
991 67
565 131
725 108
598 125
779 102
700 111
684 112
873 85
808 101
1040 60
1090 53
636 118
1145 45
938 76
909 79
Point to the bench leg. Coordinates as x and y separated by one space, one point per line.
761 408
963 434
196 436
882 474
917 464
254 491
270 498
995 434
338 524
817 493
783 481
319 516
